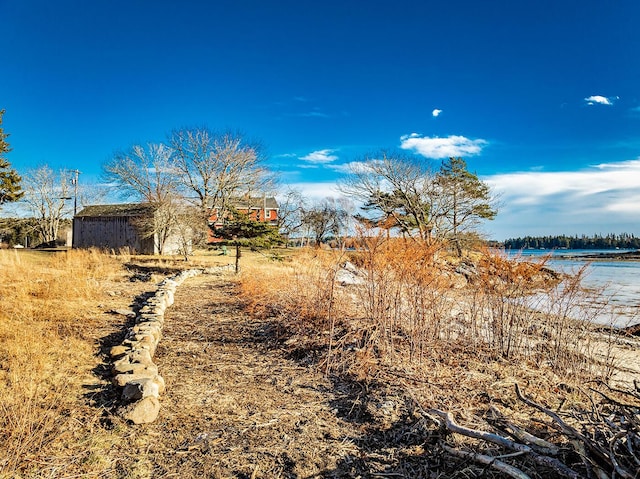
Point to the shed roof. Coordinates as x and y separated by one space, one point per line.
121 210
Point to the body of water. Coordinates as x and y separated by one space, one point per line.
617 281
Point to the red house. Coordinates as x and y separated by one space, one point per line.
263 209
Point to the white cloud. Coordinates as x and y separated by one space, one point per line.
436 113
600 199
349 167
316 191
438 148
601 100
320 157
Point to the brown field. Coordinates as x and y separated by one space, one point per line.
300 368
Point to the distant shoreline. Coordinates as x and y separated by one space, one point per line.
613 255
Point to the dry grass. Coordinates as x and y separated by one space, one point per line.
44 358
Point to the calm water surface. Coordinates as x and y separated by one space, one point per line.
618 282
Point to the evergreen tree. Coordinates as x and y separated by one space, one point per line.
240 230
466 200
9 179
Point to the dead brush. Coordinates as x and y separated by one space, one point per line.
404 295
411 298
523 310
298 291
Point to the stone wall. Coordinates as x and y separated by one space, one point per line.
133 367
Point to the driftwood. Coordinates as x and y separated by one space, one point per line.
603 443
490 461
540 459
611 452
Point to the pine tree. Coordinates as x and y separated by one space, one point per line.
9 180
466 199
241 230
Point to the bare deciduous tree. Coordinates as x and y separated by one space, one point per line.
215 167
46 192
325 219
290 214
399 190
149 175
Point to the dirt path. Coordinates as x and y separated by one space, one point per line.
234 405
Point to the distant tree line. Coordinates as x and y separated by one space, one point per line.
610 241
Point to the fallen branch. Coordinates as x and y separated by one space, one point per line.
490 461
540 459
568 430
590 451
539 444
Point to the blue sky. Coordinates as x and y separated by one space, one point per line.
541 98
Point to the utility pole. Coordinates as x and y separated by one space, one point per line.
74 182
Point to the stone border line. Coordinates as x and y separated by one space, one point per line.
133 366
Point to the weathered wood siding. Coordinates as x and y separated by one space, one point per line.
110 232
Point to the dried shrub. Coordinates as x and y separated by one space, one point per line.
411 300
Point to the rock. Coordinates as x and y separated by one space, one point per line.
124 312
142 412
348 278
142 356
121 380
116 352
142 388
135 368
151 330
147 343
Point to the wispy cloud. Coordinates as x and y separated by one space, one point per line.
601 100
438 148
600 199
436 113
312 114
320 157
349 167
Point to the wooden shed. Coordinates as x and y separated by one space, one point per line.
114 227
